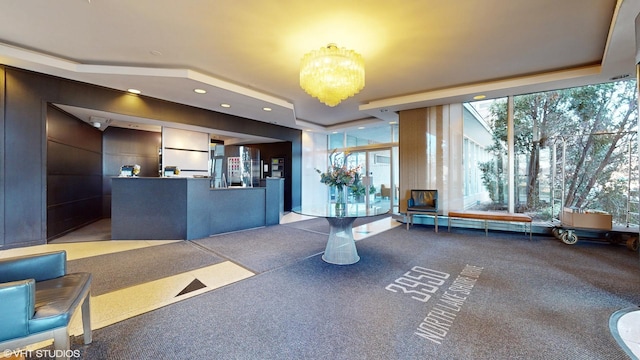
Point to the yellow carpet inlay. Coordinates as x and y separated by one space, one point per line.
86 249
109 308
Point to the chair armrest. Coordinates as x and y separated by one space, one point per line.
18 306
39 267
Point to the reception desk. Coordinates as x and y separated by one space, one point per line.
187 208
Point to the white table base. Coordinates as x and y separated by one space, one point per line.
341 247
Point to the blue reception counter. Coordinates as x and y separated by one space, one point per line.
187 208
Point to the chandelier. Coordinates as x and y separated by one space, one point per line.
332 74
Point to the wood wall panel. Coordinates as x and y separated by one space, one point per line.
412 153
74 171
280 150
127 146
430 154
24 153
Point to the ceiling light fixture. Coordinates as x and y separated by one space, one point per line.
479 97
200 91
266 108
332 74
225 105
134 91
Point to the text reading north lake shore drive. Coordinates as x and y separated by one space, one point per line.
422 283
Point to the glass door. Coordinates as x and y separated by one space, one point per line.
376 187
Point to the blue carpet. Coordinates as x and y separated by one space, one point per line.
413 295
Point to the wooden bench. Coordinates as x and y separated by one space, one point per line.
487 216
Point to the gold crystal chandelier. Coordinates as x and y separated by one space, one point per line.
332 74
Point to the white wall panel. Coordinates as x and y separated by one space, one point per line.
185 139
314 156
187 150
186 160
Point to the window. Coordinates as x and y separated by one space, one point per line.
573 147
484 157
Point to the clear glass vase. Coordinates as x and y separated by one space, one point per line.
341 200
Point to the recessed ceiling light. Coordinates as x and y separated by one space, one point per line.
225 105
266 108
479 97
134 91
155 53
200 91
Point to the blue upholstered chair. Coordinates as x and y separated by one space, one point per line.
422 202
38 299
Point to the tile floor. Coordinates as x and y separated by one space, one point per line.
109 308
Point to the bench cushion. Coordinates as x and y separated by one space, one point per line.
490 215
422 209
57 299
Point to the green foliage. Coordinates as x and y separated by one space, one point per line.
597 126
358 189
490 179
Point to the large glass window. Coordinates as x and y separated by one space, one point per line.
573 148
485 155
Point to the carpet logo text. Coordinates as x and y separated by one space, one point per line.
421 284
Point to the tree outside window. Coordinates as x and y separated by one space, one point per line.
573 147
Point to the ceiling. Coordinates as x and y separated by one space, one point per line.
247 53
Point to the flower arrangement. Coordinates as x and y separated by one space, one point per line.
338 174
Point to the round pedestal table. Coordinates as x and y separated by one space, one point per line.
341 247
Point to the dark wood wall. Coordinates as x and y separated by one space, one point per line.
74 173
81 160
24 98
278 150
128 146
